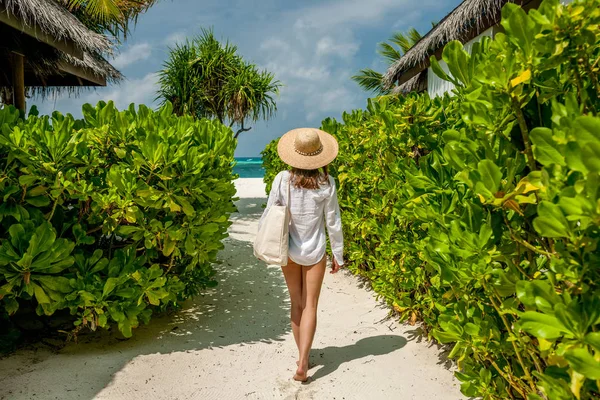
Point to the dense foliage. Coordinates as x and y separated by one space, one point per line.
111 216
208 79
479 214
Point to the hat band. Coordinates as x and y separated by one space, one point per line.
313 153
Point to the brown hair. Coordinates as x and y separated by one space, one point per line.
309 178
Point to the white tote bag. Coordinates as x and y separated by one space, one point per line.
272 240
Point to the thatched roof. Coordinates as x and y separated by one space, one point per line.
55 20
470 15
417 83
60 52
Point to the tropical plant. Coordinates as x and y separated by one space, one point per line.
478 215
391 51
112 16
208 79
112 216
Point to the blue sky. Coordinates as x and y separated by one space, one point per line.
312 47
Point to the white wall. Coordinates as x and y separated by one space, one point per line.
437 86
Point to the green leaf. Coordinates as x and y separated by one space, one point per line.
42 239
109 286
472 329
490 175
539 294
40 295
574 157
583 362
587 129
545 149
153 298
438 70
102 321
169 246
593 339
126 293
40 201
550 221
446 337
11 305
591 156
519 27
56 283
541 325
458 61
128 230
125 328
28 180
419 181
458 347
187 207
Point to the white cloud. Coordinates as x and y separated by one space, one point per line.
133 54
175 38
360 12
328 46
314 50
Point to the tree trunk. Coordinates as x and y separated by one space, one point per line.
242 129
18 75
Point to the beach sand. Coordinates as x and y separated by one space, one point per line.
234 342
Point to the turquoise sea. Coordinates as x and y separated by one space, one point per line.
249 167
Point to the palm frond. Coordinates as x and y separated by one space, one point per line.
112 16
389 52
414 36
369 80
102 10
402 41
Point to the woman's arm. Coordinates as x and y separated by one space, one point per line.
333 221
273 196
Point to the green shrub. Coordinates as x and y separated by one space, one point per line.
112 216
271 159
479 214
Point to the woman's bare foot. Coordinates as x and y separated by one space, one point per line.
301 374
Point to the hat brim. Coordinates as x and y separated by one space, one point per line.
288 154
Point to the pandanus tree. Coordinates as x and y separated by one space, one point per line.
209 79
391 51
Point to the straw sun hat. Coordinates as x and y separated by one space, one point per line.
307 148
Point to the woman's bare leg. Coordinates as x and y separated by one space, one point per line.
293 278
312 280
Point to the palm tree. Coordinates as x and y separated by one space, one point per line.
112 16
208 79
399 44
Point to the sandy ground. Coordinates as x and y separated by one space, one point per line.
235 343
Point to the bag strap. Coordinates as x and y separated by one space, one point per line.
289 198
288 190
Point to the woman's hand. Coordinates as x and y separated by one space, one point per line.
335 267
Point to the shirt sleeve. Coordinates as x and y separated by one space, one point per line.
273 197
333 221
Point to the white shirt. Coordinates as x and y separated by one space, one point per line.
310 210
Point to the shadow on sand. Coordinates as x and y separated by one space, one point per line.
331 358
250 304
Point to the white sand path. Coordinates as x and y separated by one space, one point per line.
235 343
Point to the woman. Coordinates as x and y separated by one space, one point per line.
313 204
